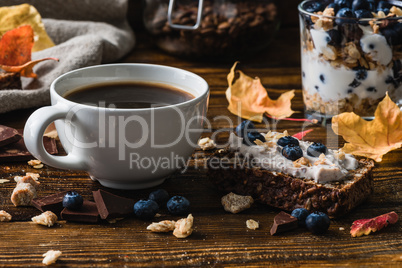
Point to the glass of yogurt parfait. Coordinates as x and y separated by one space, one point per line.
351 55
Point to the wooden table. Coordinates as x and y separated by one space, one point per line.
219 238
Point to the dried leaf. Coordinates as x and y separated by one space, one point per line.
16 46
301 134
25 69
366 226
249 99
371 139
12 17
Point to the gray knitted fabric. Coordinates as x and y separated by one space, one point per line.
86 33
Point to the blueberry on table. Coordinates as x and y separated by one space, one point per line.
301 215
72 200
316 149
283 141
146 209
252 137
160 196
317 222
178 205
292 152
244 127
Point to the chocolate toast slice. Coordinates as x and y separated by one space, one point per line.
230 171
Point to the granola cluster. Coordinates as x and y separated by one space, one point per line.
47 218
181 228
235 203
51 257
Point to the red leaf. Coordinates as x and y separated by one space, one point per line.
366 226
301 135
25 69
16 46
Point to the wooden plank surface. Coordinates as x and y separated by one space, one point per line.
219 238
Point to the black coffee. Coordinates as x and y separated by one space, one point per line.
128 95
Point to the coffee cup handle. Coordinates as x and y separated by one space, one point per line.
33 137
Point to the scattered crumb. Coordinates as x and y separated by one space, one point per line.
38 166
51 257
34 176
236 203
157 215
27 179
252 224
111 221
34 162
341 229
17 178
23 194
4 180
162 226
47 218
206 144
184 227
4 216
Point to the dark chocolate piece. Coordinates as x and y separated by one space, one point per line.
53 202
112 206
283 222
18 152
8 135
87 213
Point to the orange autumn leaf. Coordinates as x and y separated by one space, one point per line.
371 139
249 99
25 69
16 46
15 51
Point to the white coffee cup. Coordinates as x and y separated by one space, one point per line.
121 148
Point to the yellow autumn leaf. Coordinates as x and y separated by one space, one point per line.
14 16
249 99
375 138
